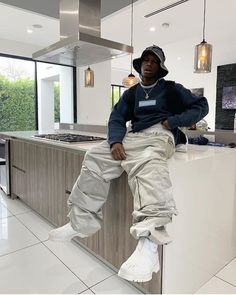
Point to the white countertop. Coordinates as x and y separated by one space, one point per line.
194 152
29 136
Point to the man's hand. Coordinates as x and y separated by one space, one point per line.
165 124
118 151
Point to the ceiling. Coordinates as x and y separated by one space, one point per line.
51 7
185 22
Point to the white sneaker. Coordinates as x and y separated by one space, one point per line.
182 148
142 263
64 233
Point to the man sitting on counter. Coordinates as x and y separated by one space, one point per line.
156 108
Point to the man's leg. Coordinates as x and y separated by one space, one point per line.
89 194
154 206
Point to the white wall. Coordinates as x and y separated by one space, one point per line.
117 75
66 95
93 104
45 105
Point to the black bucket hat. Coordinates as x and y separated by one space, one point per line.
158 52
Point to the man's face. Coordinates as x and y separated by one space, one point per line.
150 66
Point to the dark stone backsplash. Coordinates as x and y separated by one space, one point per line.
226 76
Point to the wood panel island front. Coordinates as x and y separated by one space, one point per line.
43 174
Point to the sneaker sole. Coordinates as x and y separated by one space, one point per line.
139 279
51 238
59 240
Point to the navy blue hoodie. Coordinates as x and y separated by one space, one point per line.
156 109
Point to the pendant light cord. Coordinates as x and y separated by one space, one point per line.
204 20
131 30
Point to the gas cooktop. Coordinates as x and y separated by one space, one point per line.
68 137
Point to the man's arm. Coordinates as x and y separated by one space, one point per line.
196 108
117 127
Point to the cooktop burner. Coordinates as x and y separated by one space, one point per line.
69 137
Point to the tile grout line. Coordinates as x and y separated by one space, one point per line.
102 280
225 281
39 242
14 214
224 266
65 265
127 283
18 250
87 290
42 242
28 229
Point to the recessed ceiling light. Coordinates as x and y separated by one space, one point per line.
29 31
152 29
178 58
37 26
165 25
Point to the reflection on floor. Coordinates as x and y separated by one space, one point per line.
30 263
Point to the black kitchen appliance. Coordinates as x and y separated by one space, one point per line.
5 165
69 137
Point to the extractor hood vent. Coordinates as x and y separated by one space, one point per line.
80 43
165 8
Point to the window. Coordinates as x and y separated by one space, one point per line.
17 94
35 95
116 92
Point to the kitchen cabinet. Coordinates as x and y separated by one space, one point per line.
38 178
43 177
18 169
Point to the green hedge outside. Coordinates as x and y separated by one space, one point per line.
17 104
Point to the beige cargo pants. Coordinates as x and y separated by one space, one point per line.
149 181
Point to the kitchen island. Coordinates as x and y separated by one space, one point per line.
43 174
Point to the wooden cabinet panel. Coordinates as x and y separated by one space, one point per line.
46 181
18 177
73 164
73 167
18 183
18 154
38 178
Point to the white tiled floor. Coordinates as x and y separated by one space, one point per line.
29 263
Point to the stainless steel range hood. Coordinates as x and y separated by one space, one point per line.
80 42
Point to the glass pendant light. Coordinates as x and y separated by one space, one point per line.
89 77
131 80
203 52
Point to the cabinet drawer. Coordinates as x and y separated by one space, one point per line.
18 182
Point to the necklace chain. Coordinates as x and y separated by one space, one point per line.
148 92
